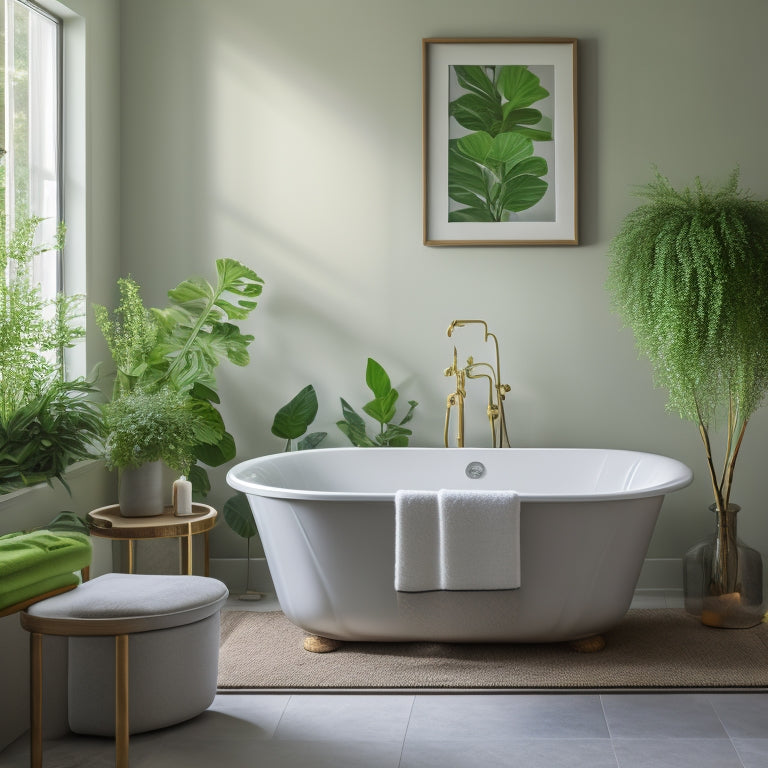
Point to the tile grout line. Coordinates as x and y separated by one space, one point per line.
407 728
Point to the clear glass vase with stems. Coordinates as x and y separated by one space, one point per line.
723 577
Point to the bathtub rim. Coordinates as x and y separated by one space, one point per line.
682 480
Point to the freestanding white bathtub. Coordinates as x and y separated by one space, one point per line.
327 522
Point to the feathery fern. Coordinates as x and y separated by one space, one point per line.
689 275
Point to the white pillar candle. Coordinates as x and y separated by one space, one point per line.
182 496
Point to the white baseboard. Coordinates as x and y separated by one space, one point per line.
664 573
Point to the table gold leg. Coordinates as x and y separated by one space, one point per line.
130 555
36 700
189 551
185 545
121 702
207 554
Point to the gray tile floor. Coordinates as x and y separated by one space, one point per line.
557 730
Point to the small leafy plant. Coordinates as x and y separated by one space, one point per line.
151 425
46 421
493 171
382 409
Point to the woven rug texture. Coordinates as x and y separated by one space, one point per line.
649 649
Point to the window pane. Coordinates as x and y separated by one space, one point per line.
32 128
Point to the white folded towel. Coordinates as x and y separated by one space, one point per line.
479 540
417 541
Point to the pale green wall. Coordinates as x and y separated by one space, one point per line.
288 135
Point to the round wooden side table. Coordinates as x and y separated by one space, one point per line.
108 523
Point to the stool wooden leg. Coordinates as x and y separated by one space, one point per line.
121 702
36 700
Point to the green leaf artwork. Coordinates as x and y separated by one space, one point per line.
493 171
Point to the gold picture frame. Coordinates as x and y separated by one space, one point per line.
500 145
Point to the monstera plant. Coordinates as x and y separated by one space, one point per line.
492 170
179 348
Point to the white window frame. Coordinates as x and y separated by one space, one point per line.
71 274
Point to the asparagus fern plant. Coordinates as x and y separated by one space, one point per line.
689 274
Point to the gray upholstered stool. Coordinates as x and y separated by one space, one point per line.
173 624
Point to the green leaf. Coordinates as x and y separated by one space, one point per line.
353 426
377 379
523 192
519 86
293 419
394 436
201 484
408 416
476 113
194 332
513 117
312 440
509 148
220 453
474 78
382 409
470 214
534 166
475 146
239 517
200 392
467 183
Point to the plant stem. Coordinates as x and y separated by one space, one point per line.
731 464
710 465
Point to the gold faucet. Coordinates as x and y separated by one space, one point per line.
496 390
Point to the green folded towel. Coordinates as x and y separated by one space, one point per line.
37 588
33 558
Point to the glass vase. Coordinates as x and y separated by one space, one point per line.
723 577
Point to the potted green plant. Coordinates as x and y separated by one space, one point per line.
689 275
177 349
47 421
145 429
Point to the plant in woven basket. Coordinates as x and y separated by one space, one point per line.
689 275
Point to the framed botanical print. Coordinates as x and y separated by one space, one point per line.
500 141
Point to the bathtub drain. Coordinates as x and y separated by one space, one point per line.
475 470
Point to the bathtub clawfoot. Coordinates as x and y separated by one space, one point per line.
319 644
591 644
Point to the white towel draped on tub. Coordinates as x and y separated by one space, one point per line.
417 541
479 539
457 540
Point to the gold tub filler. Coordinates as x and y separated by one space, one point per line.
496 390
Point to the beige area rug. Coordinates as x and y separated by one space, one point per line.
649 649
